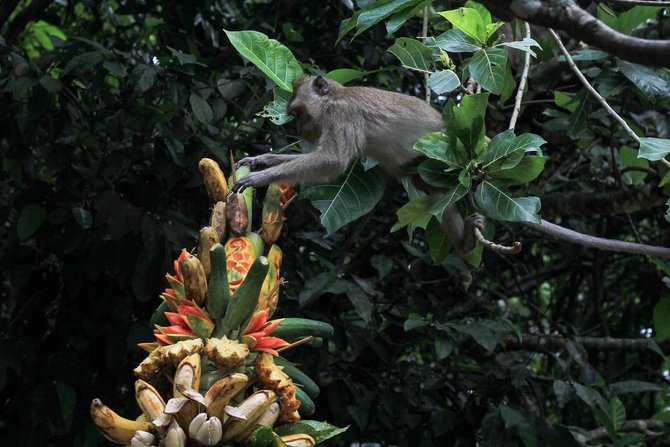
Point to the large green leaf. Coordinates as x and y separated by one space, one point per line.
415 212
527 170
438 242
276 110
271 57
344 75
433 146
30 220
489 68
347 198
466 123
505 149
467 20
413 54
645 78
320 431
654 148
401 16
496 203
524 45
627 21
453 195
377 11
456 41
434 173
443 81
201 109
633 386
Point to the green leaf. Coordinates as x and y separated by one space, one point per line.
443 81
276 110
453 195
629 159
628 20
665 180
434 173
645 78
291 33
347 198
524 45
579 119
185 58
489 68
344 75
147 78
527 170
263 436
496 203
633 386
413 54
466 123
662 319
479 332
456 41
506 150
201 109
320 431
382 264
617 412
378 11
415 212
438 242
590 396
30 219
467 20
588 54
654 149
433 145
83 217
444 346
414 321
399 18
271 57
202 328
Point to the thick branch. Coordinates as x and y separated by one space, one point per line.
648 427
574 237
567 16
600 203
534 342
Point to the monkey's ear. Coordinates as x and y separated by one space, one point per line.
320 86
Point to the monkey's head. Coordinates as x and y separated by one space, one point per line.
310 93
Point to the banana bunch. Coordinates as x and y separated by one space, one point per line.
214 375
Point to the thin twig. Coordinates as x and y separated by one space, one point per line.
522 83
502 249
595 94
424 36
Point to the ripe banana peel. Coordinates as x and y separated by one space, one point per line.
220 393
149 400
114 427
215 181
251 409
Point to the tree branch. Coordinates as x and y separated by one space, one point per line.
644 426
560 204
534 342
567 16
522 83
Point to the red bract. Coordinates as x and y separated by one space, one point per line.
259 328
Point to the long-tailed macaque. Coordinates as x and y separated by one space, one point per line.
345 123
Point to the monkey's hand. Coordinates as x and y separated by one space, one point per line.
253 162
252 179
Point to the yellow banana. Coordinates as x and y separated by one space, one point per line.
251 409
299 440
269 417
114 427
222 391
208 237
149 400
195 280
215 181
187 375
218 219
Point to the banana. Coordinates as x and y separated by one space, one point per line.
208 237
215 181
195 280
299 440
142 439
218 220
149 400
222 391
251 409
269 417
205 431
114 427
187 376
175 436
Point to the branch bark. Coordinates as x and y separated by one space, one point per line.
567 16
560 204
535 342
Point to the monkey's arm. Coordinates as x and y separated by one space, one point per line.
266 160
319 165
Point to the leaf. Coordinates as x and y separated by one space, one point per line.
563 392
644 78
578 120
444 346
360 301
433 145
590 396
456 41
83 217
488 68
344 75
527 170
378 11
201 109
382 264
453 195
633 386
443 81
320 431
347 198
497 204
185 58
662 319
30 219
276 110
480 333
271 57
665 180
467 20
629 158
506 150
399 18
617 412
434 173
466 123
627 21
654 149
415 212
147 78
413 54
523 45
438 242
588 54
414 321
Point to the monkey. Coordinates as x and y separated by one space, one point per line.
345 123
